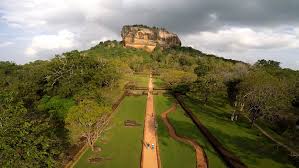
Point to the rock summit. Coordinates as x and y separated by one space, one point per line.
148 38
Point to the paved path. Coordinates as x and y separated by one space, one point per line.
149 156
201 161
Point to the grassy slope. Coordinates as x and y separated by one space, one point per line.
284 139
173 154
122 145
185 127
250 145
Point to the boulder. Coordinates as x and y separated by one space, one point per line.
148 38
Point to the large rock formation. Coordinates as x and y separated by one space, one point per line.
148 38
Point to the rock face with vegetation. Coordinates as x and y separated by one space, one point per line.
148 38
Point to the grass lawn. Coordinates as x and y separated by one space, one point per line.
121 146
254 149
185 127
140 80
159 82
173 154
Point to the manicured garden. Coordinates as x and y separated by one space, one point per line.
121 145
253 148
140 80
173 154
185 127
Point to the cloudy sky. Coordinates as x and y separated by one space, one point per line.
243 30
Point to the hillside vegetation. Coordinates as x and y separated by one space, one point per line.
41 102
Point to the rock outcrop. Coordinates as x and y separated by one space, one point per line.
148 38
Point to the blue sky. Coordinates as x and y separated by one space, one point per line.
242 30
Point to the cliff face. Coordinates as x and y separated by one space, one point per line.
148 38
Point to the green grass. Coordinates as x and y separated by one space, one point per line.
140 80
121 145
284 139
185 127
159 82
112 95
254 149
173 154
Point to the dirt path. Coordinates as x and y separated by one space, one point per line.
150 156
292 152
201 161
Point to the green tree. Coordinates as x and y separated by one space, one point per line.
26 139
56 106
232 80
73 72
268 63
205 86
89 120
295 101
263 95
201 70
174 77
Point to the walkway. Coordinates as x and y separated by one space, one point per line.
150 156
279 143
201 161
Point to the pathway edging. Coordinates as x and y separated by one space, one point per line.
230 158
201 159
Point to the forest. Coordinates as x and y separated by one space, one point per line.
48 106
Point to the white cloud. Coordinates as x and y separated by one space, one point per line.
30 51
4 44
95 42
88 22
213 17
64 39
236 39
41 13
38 19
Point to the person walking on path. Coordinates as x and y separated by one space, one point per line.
150 157
153 146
